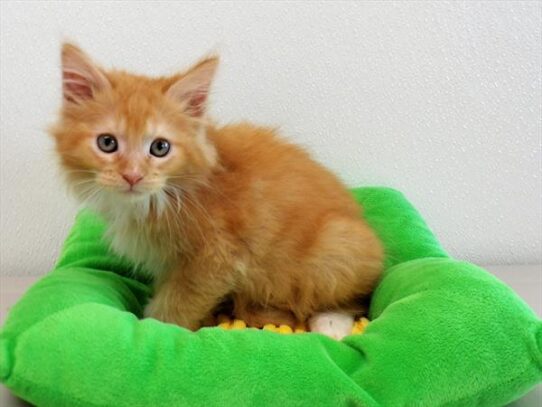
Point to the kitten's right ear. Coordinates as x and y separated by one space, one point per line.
81 78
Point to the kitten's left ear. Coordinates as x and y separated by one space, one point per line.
192 89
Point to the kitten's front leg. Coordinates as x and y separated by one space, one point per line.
166 306
187 298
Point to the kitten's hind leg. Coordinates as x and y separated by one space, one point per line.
335 324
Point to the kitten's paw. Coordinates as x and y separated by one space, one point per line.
336 325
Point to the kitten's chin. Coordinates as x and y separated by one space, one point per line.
113 197
133 196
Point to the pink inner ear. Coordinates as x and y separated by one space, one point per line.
76 87
196 102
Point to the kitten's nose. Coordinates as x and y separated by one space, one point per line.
132 178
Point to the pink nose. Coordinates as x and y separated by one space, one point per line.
132 178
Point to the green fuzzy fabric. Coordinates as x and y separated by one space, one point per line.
443 333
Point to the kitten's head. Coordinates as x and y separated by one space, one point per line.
131 139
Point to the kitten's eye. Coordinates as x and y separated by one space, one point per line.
160 147
107 143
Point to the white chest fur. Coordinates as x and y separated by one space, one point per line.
132 237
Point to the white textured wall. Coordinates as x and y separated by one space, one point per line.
439 99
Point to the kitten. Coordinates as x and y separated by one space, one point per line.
213 213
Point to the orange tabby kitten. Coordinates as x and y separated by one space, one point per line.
213 213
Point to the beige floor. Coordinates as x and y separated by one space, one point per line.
526 280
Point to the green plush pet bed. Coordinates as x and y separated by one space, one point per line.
442 333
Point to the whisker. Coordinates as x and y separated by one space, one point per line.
188 215
86 181
197 205
201 181
80 171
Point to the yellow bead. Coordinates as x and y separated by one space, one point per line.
270 327
285 329
222 318
225 325
238 324
300 327
356 330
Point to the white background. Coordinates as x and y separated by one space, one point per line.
441 100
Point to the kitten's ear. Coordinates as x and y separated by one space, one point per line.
81 78
192 89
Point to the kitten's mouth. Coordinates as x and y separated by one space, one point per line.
132 194
131 190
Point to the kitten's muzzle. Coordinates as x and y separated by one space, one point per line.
132 178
